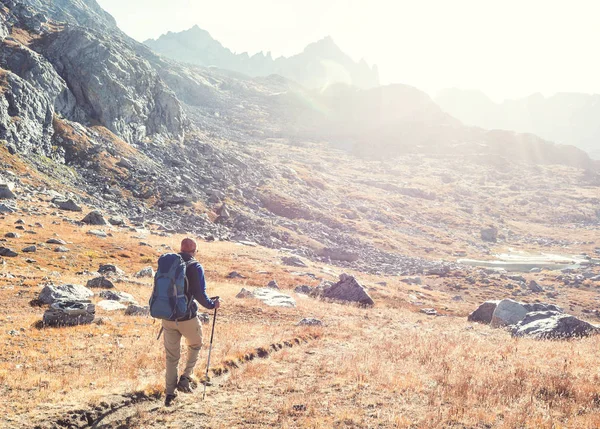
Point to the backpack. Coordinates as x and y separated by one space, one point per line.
169 300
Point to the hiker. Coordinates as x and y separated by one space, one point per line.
187 326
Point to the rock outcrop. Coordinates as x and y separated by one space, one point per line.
348 289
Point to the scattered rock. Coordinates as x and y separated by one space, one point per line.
7 209
293 261
61 249
97 233
428 311
145 272
8 253
110 269
94 218
235 275
244 293
274 298
273 284
310 322
116 221
348 289
412 280
51 294
29 249
340 255
68 205
11 235
56 241
137 310
69 313
100 282
109 305
118 296
6 191
535 287
484 313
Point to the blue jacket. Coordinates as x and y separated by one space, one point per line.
196 290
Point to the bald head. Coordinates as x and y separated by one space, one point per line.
188 246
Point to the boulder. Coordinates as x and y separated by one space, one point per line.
310 322
109 305
7 209
11 235
94 218
340 255
97 233
293 261
73 293
489 234
62 249
100 282
145 272
348 289
8 253
535 287
484 313
69 313
117 296
273 284
110 269
137 310
6 191
244 293
116 221
508 312
538 306
56 241
29 249
68 205
553 325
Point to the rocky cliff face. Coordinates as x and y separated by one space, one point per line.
321 64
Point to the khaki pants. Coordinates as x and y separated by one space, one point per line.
173 331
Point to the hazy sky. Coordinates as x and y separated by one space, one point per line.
507 48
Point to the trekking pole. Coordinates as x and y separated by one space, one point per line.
212 334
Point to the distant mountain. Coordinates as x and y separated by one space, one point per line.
321 64
567 118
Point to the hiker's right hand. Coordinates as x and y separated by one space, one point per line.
217 303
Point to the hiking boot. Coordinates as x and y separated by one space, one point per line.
186 384
169 399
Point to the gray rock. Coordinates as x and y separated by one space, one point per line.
273 284
97 233
29 249
310 322
51 293
508 312
117 296
109 305
94 218
412 280
244 293
428 311
235 275
100 282
348 289
7 191
68 205
8 253
538 306
535 287
7 209
145 272
304 290
110 269
293 261
69 313
61 249
484 313
11 235
489 234
56 241
137 310
116 221
553 325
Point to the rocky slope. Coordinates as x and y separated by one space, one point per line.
321 64
567 118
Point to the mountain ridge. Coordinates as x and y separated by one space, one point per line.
320 63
